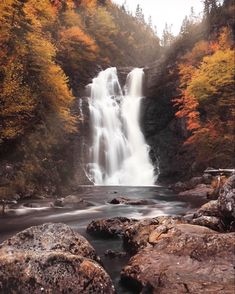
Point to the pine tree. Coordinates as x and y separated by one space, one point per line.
150 22
167 36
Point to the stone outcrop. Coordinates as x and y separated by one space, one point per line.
226 200
219 214
112 227
125 200
51 258
139 235
183 258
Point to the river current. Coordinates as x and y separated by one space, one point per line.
162 202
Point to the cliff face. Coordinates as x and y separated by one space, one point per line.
164 133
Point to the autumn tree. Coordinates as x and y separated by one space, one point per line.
206 100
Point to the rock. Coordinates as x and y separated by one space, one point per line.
201 191
226 199
114 254
195 181
51 258
51 237
211 222
58 203
210 208
209 215
109 227
72 201
137 235
33 205
207 178
124 200
179 187
153 237
185 259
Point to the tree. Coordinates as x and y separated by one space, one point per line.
150 22
206 99
139 14
167 36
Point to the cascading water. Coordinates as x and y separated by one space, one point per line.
119 154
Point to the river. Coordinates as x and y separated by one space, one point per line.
162 202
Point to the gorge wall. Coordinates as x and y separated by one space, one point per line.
162 130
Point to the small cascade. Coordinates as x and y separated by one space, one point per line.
119 154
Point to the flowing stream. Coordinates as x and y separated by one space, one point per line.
31 212
119 154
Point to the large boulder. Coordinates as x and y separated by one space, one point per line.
183 259
112 227
51 258
139 234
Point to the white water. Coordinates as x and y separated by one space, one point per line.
119 154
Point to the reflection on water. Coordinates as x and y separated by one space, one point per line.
163 202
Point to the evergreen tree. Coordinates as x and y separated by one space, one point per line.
150 22
139 14
167 36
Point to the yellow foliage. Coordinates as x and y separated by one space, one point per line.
39 13
89 4
42 51
17 101
225 38
74 37
71 18
59 97
215 75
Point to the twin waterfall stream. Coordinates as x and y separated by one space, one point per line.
119 154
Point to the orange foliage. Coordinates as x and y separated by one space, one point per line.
206 89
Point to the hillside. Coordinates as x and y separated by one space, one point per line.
189 116
49 51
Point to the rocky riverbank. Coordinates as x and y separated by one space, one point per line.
188 254
191 253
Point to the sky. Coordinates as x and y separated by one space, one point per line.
162 11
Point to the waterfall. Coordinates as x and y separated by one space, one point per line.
119 154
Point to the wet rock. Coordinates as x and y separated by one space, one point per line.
114 254
107 228
226 199
124 200
72 201
51 258
201 191
33 205
140 234
185 259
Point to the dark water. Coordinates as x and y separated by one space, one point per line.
163 202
